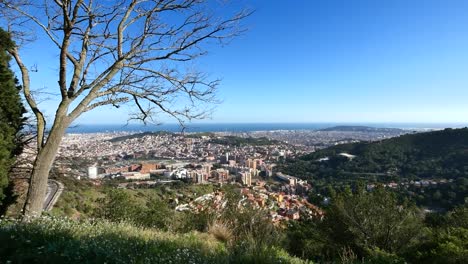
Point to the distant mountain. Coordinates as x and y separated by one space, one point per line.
361 129
437 154
139 135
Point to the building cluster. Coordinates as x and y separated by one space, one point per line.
152 159
104 151
195 159
310 140
280 206
201 173
166 146
416 184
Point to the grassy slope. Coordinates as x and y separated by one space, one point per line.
60 240
80 197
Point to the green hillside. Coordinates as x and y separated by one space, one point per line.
431 168
438 154
140 135
60 240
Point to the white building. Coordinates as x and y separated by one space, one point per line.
136 176
93 172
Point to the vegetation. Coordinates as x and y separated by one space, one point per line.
54 240
444 196
11 113
139 135
375 227
247 234
438 155
82 200
126 229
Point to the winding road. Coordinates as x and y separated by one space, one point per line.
54 190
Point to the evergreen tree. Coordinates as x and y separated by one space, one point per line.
11 113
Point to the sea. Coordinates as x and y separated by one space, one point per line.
247 127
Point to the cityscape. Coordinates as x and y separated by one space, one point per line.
246 160
233 132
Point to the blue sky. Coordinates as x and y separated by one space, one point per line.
333 61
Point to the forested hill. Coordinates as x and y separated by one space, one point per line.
430 155
139 135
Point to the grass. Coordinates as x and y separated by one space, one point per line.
70 235
221 231
80 198
62 240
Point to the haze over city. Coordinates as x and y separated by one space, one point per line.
326 61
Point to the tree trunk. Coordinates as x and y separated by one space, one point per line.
41 169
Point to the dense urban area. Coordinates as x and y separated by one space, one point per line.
247 160
301 182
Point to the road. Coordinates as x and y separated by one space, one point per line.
54 190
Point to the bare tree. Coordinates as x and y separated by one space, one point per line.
112 53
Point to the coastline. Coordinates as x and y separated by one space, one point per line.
248 127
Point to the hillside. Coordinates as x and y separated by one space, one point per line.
139 135
438 154
60 240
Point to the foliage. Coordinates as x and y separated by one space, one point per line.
372 220
437 155
54 240
79 199
370 225
359 226
122 206
11 113
446 241
221 231
60 240
307 240
246 231
378 256
444 196
139 136
82 199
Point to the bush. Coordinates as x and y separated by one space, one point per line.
221 231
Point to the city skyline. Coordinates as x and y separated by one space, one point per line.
332 61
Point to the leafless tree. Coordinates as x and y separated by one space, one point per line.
113 53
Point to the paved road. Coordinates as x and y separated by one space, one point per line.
54 189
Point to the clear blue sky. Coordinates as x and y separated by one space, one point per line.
338 61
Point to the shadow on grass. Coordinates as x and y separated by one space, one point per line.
23 243
58 240
10 198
